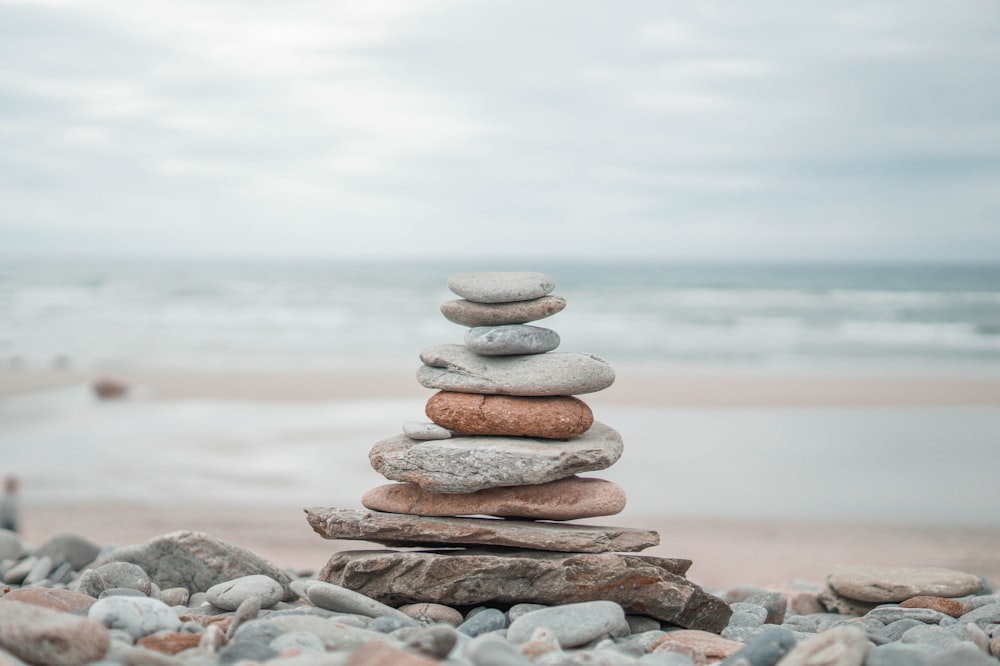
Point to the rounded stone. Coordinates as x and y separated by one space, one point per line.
139 616
548 417
42 636
125 575
766 648
457 368
489 619
53 598
432 614
510 340
500 287
229 595
79 552
844 646
469 464
472 314
10 545
336 598
572 624
894 584
425 431
571 498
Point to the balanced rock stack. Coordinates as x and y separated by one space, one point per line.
506 441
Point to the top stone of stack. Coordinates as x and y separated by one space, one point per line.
488 287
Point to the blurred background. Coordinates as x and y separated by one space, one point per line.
778 223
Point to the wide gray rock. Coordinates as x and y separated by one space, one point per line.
472 314
468 464
511 340
501 287
458 368
43 636
196 561
651 586
894 584
230 594
393 529
76 550
572 624
340 599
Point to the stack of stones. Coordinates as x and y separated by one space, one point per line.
505 444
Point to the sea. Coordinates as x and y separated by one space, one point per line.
926 465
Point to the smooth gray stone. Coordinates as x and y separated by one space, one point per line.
889 614
775 603
895 630
638 624
91 583
11 547
298 640
388 624
121 592
511 340
492 650
468 464
472 314
17 573
340 599
39 572
490 619
246 651
124 574
930 635
765 649
573 624
79 552
896 654
457 368
436 641
983 616
139 616
196 561
500 287
517 610
230 594
425 431
747 615
964 654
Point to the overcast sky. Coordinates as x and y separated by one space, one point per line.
848 129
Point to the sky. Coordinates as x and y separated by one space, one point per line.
757 130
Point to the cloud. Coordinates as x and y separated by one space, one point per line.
756 131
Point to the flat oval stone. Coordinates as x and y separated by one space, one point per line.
565 499
139 616
232 593
548 417
572 624
457 368
894 584
511 340
500 287
468 464
425 431
468 313
43 636
340 599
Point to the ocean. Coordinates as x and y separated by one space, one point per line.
91 314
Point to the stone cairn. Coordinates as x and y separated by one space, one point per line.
506 442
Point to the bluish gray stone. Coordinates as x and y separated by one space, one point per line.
964 654
298 640
638 624
246 651
500 287
139 616
79 552
489 619
573 624
895 630
492 650
337 598
747 615
231 593
889 614
929 634
511 340
775 603
983 616
425 431
898 654
389 623
765 649
435 641
457 368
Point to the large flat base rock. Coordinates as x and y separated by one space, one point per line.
393 529
643 585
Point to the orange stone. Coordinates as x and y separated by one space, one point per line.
66 601
169 642
950 607
549 417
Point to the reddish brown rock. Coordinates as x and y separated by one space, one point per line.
394 529
565 499
707 643
549 417
950 607
170 642
109 389
64 601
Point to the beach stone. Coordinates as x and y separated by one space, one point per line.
493 650
673 647
39 572
547 417
425 431
174 596
490 619
950 607
125 575
983 616
897 654
572 624
246 651
468 464
432 614
517 610
664 659
888 614
139 616
894 584
299 641
644 585
500 287
708 644
169 642
11 547
965 654
76 550
893 631
765 649
570 498
930 635
511 340
468 313
436 642
747 615
341 599
7 659
543 641
638 624
57 599
335 634
378 653
196 561
388 624
836 603
840 646
402 530
17 573
40 635
451 367
230 594
248 610
775 603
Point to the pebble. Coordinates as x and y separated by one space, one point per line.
139 616
930 635
952 607
840 646
468 313
894 584
42 636
983 616
436 642
500 287
549 417
747 615
76 550
489 619
229 595
337 598
432 614
246 651
775 603
124 574
889 614
11 547
766 649
511 339
572 624
425 431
